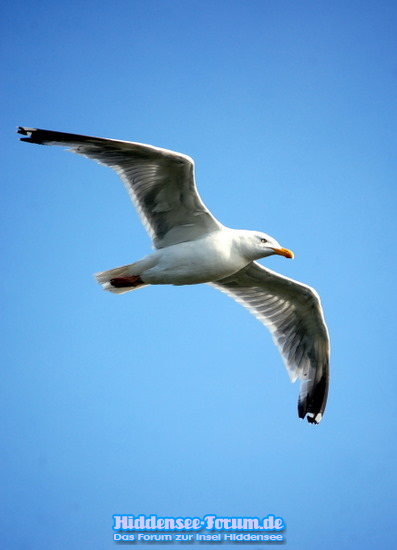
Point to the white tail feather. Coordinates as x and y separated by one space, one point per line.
104 277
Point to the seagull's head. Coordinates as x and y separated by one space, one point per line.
259 245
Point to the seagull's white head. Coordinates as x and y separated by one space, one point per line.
256 245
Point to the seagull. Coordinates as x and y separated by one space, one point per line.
191 247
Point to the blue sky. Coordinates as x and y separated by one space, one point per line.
174 401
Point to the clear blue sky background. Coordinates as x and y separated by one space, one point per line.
174 401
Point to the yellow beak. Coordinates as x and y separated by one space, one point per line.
284 252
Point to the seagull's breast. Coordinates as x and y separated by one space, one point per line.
207 259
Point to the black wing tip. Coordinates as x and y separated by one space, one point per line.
25 132
313 415
34 135
46 137
312 418
313 405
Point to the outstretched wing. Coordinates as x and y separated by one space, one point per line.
292 312
160 183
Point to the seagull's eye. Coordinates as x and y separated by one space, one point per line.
263 240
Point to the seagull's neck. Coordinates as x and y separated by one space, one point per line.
242 243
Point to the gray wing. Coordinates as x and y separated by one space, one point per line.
160 183
293 314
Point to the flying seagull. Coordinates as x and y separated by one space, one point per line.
192 247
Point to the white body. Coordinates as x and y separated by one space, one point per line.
210 258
